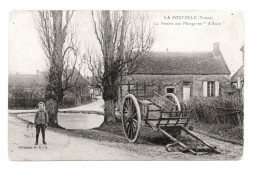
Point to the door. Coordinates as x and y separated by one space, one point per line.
186 93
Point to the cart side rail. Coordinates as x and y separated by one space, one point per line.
163 102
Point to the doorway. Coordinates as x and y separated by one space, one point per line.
186 93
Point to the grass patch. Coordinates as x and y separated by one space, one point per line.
229 133
148 135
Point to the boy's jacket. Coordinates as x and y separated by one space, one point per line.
41 117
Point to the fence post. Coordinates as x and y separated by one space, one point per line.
239 118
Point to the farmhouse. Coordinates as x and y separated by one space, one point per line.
193 74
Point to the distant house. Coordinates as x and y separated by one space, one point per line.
237 81
186 74
238 78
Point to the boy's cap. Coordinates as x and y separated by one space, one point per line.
40 103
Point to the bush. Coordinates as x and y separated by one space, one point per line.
23 102
68 101
71 101
217 110
28 103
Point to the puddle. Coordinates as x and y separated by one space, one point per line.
79 120
73 120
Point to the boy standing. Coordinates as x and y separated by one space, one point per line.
41 120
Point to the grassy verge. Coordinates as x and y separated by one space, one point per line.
147 135
114 133
228 133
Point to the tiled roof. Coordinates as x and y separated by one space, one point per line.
182 63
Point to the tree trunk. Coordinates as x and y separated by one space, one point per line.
52 109
109 111
56 93
110 98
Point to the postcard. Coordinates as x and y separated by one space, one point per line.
125 85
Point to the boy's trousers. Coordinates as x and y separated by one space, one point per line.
40 128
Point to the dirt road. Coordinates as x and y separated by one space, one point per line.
64 147
59 147
97 106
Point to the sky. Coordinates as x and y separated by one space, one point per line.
174 30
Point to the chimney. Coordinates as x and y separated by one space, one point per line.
216 50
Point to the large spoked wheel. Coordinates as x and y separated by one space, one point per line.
131 117
174 99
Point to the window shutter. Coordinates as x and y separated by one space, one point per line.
216 88
205 86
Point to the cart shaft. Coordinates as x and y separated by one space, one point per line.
171 138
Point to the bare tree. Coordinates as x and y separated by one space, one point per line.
59 41
123 36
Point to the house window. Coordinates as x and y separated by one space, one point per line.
186 83
169 90
211 89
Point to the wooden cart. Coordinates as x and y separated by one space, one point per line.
162 114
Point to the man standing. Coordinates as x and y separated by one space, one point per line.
41 120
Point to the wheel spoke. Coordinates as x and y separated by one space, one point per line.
134 129
125 125
127 104
135 121
134 115
129 111
125 119
125 108
127 122
128 119
135 125
129 131
131 107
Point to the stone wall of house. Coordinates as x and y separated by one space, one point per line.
176 81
